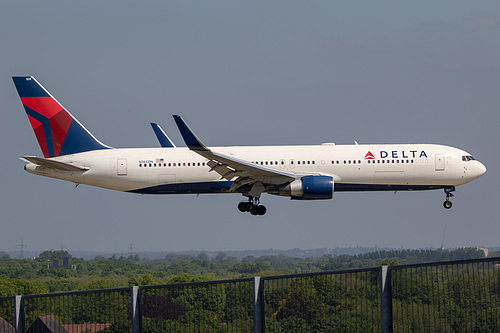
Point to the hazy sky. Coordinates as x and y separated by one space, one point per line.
253 73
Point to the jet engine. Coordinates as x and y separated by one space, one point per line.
308 188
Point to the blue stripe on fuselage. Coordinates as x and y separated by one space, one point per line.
224 186
187 188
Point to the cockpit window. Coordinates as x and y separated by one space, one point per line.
468 158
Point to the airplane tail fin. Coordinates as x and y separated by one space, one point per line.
57 131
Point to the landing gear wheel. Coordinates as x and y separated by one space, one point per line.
245 206
261 210
252 206
447 204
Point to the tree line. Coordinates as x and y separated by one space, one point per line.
33 276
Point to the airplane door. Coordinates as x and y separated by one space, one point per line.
439 162
121 167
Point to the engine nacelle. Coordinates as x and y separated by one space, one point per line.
309 188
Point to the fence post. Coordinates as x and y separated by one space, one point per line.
136 309
385 299
258 305
19 314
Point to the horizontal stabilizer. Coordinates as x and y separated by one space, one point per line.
54 164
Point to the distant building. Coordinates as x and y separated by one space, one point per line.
5 327
85 328
64 265
47 324
484 250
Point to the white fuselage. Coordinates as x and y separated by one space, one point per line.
353 167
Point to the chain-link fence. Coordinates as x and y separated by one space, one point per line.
460 296
216 306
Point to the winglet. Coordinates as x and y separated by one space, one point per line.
162 136
189 137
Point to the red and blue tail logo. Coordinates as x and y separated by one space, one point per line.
56 130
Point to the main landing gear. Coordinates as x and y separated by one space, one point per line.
252 206
447 204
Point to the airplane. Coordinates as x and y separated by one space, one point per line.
308 172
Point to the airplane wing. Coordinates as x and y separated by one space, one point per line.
165 141
54 164
230 167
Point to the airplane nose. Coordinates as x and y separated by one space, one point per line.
481 169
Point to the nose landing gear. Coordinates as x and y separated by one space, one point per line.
447 204
252 206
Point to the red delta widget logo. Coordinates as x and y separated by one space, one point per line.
397 154
369 156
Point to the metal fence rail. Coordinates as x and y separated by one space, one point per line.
459 296
345 301
455 296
